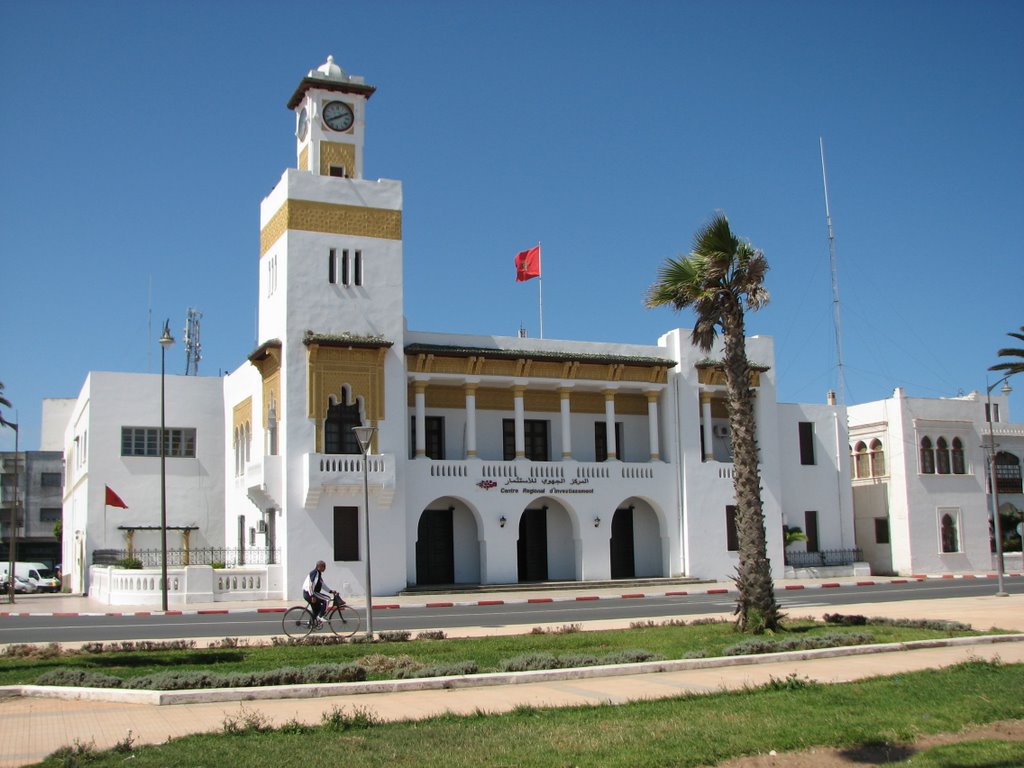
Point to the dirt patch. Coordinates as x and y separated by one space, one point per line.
875 755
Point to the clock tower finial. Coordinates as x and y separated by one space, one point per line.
330 112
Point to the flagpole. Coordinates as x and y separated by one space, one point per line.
540 287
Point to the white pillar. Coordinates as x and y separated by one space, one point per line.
517 394
470 420
705 407
652 424
564 392
609 418
421 418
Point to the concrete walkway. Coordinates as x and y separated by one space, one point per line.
31 728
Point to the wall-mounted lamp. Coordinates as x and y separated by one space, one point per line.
597 522
502 521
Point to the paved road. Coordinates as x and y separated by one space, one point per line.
450 614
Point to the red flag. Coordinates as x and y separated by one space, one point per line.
528 264
113 500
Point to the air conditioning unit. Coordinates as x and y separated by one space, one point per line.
720 430
261 526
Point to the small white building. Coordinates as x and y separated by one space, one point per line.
921 487
112 441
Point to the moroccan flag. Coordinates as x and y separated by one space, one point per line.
528 264
113 500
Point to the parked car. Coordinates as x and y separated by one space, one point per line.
24 585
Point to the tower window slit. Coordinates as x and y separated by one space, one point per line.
345 277
332 267
358 267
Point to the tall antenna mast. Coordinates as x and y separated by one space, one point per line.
193 349
841 379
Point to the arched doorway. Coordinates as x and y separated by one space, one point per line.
636 544
448 544
548 543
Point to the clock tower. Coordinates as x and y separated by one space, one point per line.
330 110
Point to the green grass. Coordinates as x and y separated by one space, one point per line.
688 731
669 641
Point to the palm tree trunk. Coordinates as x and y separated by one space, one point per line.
756 608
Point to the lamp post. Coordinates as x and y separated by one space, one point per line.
13 534
997 527
166 340
365 436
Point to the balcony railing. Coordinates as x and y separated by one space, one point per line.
343 473
824 558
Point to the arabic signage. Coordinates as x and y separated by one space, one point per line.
535 486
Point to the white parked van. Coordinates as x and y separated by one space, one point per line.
36 573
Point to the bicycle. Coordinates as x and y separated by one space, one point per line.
341 618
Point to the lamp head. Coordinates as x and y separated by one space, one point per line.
364 435
166 340
1006 388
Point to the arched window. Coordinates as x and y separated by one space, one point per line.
949 535
877 458
942 456
1008 473
959 465
927 457
338 434
860 460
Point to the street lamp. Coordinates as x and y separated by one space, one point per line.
365 436
166 340
13 534
997 527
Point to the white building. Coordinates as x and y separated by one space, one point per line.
495 459
921 487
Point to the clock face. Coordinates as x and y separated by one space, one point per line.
303 124
338 115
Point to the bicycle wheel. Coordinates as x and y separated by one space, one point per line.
297 622
344 621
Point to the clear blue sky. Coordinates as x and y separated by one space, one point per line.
138 139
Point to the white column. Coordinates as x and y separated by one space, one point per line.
470 420
421 418
566 423
609 418
705 426
652 424
517 394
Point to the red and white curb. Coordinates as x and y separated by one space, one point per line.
525 601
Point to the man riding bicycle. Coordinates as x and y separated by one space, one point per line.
317 593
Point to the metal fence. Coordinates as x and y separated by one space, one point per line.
824 558
176 558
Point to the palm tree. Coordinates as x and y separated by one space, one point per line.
1012 366
722 277
4 403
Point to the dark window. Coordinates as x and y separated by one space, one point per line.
145 441
959 464
50 479
434 437
601 440
732 539
338 434
950 538
346 533
942 456
811 529
1008 478
357 267
332 266
927 457
338 171
877 459
50 514
345 276
860 460
881 530
806 430
535 438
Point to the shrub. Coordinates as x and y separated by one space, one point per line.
450 669
129 563
79 678
431 634
529 661
386 665
394 636
632 656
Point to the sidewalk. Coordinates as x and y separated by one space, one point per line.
31 728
